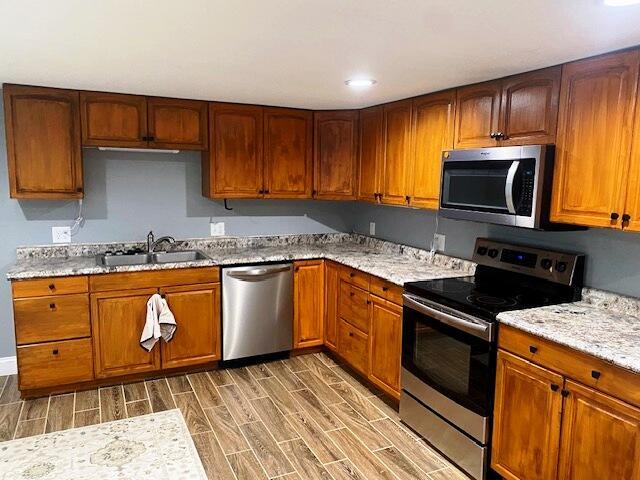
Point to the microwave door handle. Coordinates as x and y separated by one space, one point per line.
508 186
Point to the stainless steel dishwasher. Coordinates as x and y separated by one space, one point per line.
257 310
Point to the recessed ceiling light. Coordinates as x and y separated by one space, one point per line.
360 82
620 3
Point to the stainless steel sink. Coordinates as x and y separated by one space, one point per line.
147 258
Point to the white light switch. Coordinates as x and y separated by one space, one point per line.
438 242
61 234
217 229
372 228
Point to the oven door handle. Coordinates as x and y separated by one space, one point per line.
508 186
480 331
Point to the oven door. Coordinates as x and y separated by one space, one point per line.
452 354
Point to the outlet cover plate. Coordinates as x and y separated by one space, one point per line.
438 242
372 228
217 229
61 234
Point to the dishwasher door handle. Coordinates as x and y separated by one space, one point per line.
258 272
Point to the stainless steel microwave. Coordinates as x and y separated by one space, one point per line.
502 185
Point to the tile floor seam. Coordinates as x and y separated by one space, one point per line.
246 439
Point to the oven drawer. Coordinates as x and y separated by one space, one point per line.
355 277
386 290
353 306
353 346
45 319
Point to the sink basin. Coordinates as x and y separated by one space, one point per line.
146 258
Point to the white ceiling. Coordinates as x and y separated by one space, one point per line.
297 52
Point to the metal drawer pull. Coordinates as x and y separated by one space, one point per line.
384 289
564 393
55 351
555 387
52 286
595 374
533 349
352 274
52 306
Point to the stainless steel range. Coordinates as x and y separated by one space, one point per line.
449 342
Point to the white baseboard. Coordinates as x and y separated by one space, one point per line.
8 365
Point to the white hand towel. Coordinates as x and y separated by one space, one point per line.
160 322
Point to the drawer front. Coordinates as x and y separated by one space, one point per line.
154 279
55 363
50 286
576 365
386 290
355 277
353 306
52 318
353 346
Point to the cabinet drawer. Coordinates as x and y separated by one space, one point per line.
154 279
355 277
354 306
45 319
386 290
55 363
50 286
353 346
576 365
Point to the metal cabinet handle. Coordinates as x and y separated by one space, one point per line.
351 275
615 216
384 289
508 187
595 374
533 349
554 387
564 393
55 351
52 306
493 135
52 286
258 272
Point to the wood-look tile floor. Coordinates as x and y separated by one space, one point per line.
298 418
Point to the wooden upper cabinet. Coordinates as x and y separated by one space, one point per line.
385 350
397 151
371 154
113 120
600 436
336 154
477 115
232 168
43 142
632 204
597 102
529 108
432 132
177 124
526 440
308 303
197 338
288 154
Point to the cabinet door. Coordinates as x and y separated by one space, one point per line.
477 115
526 425
197 338
308 303
600 436
529 107
288 154
397 150
385 336
43 142
113 120
117 320
597 102
335 154
371 152
432 133
332 284
632 204
177 124
232 168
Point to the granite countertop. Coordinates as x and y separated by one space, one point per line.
395 263
603 324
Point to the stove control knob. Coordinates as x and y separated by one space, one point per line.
493 253
546 263
481 251
561 266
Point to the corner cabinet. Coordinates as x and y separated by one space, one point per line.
43 142
595 134
308 303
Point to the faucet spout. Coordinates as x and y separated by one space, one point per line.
170 240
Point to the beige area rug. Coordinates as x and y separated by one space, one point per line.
156 446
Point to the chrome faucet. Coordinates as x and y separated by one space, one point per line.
152 243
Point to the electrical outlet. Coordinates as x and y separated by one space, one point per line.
372 228
438 242
61 234
217 229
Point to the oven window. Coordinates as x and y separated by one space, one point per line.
453 362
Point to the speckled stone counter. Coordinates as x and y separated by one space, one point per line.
603 324
395 263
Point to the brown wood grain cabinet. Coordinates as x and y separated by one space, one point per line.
432 132
397 152
113 120
308 303
288 153
332 284
370 154
632 204
336 154
43 142
477 115
177 124
385 348
597 103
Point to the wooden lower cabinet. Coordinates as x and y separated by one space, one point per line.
353 346
197 338
332 283
385 345
308 303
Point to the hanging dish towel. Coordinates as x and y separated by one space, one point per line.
160 323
